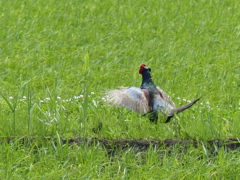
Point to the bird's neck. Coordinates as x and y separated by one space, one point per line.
146 79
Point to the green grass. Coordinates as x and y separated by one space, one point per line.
52 52
45 160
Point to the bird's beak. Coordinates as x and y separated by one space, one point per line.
149 69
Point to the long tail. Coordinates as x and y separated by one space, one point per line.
180 109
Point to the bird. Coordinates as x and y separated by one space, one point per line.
146 99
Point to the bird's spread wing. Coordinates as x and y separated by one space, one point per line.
166 97
132 98
161 104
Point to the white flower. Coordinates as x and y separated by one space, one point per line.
10 97
58 98
80 96
92 92
24 97
47 99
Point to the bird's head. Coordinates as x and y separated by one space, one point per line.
144 68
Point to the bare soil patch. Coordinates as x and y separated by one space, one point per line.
139 145
112 146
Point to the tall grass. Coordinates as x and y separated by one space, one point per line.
60 161
59 57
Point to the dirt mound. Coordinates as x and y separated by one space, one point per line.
114 145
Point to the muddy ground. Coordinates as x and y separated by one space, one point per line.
139 145
112 146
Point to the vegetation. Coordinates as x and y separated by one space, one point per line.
59 57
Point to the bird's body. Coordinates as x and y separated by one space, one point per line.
146 99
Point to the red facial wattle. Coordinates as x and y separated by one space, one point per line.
141 68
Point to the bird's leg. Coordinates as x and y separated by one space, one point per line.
168 119
153 116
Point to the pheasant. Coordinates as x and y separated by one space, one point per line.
146 99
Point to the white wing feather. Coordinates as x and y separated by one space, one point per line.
132 98
161 104
166 97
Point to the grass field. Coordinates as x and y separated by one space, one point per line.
57 58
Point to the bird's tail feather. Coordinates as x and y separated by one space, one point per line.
180 109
